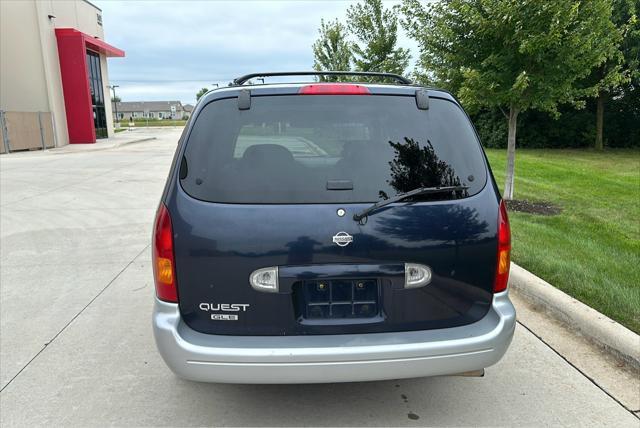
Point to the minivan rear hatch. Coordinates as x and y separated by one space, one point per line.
275 183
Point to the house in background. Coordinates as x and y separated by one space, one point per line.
150 110
188 108
53 74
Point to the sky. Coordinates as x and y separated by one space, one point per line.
175 48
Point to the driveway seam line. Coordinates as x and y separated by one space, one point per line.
579 370
75 316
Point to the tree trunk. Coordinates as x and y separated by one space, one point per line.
600 121
511 153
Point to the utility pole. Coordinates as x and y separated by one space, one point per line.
115 103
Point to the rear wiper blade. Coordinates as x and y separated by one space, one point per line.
415 192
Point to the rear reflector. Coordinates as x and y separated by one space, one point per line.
504 251
163 260
334 89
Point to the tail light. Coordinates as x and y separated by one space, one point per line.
334 89
164 267
504 251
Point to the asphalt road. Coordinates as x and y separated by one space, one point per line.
76 346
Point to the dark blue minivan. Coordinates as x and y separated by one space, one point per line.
330 232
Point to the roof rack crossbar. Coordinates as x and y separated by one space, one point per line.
243 79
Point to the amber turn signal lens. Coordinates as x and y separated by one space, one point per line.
165 271
503 262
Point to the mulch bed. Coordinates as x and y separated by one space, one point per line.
538 207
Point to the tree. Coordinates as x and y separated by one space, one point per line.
615 71
116 99
201 92
376 32
512 54
331 51
629 11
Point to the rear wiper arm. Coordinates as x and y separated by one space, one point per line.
415 192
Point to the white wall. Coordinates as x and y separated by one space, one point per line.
23 86
76 14
52 71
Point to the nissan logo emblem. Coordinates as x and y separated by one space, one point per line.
342 239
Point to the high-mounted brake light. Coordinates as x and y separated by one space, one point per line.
504 251
164 267
334 89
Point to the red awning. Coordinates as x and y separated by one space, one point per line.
78 101
90 42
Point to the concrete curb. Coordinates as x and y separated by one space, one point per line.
99 147
139 140
607 334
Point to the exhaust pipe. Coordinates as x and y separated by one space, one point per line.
472 373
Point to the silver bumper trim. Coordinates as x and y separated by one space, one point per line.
332 358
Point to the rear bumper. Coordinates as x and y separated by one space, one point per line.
332 358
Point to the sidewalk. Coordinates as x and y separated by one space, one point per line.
134 135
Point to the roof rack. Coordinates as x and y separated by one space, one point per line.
243 79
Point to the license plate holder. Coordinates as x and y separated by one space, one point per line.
328 299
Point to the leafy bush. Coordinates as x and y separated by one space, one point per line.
492 128
574 128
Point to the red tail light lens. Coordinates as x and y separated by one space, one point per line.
334 89
504 251
164 267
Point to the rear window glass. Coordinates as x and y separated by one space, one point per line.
329 149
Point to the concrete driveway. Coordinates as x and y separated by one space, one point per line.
76 346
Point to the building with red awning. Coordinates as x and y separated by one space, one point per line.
54 84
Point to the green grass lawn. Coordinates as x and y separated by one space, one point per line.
153 122
592 249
